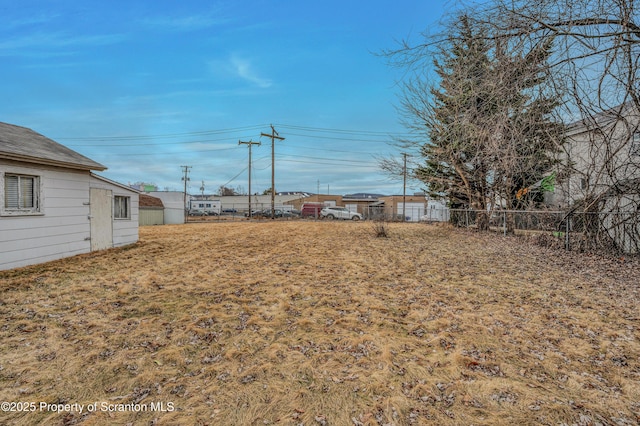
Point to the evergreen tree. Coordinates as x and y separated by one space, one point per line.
457 166
526 137
488 121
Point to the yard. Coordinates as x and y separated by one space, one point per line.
320 323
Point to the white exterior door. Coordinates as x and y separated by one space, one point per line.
101 218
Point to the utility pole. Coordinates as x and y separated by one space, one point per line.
250 143
404 187
185 178
274 135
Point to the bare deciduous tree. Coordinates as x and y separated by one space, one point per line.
593 73
596 69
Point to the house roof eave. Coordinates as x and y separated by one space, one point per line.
50 162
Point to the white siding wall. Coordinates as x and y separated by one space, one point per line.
62 227
125 231
173 206
151 216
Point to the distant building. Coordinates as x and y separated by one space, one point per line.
240 203
209 204
151 210
411 206
144 187
174 208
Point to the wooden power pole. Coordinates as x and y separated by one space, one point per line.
250 143
185 178
273 136
404 187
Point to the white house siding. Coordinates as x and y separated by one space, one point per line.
61 228
173 206
599 158
125 231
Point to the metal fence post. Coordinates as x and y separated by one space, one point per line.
567 239
504 223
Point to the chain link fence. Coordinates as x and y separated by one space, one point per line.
409 213
240 211
614 232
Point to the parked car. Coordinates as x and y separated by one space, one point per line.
276 213
254 213
197 213
311 210
285 213
339 213
261 213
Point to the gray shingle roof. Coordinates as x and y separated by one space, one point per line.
22 144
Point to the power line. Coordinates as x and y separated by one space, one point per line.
162 136
309 140
228 130
324 158
235 177
180 143
119 154
341 139
328 164
332 130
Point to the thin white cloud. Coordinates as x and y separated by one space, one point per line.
43 40
244 69
237 67
185 23
16 23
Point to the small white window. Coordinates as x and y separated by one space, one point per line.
635 143
121 207
21 193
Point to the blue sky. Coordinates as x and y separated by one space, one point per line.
145 87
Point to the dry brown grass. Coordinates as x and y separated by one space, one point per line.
320 323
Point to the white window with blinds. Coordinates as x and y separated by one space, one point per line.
21 194
121 208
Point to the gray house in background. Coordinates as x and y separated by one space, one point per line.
53 206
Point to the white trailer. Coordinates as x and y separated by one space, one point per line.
208 206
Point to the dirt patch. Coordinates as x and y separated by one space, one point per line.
322 323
